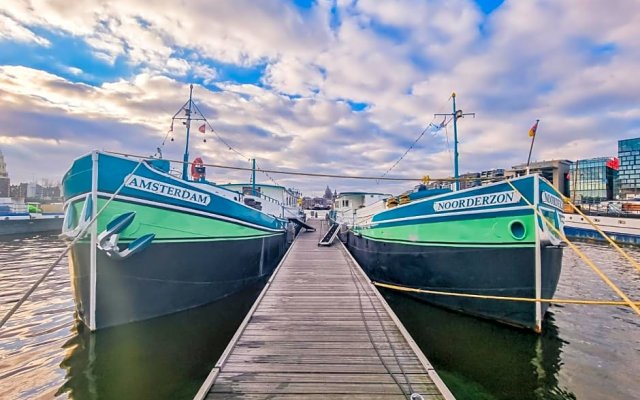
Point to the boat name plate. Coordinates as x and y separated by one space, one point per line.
482 200
167 190
552 200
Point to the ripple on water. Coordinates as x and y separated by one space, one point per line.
585 352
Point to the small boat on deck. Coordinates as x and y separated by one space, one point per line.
163 243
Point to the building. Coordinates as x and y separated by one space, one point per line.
629 173
310 203
492 175
4 178
555 171
469 180
594 180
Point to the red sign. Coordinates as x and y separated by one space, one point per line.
613 163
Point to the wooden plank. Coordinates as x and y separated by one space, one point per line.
379 368
324 378
309 396
320 331
312 387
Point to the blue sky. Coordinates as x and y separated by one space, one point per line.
338 86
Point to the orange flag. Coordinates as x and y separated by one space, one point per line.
532 131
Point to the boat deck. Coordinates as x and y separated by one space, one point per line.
320 330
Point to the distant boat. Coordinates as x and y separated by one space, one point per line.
482 241
620 220
18 218
165 243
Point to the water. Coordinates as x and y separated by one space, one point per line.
585 352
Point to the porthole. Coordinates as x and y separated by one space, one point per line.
517 229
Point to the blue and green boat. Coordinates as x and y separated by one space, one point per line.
485 240
163 243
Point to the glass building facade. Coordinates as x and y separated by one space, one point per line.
593 180
629 155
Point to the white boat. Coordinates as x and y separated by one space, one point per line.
20 219
619 220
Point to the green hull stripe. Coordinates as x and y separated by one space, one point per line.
171 226
480 232
446 244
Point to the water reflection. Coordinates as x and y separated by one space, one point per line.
484 360
163 358
585 352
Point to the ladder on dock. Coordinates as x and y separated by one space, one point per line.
330 235
320 330
303 224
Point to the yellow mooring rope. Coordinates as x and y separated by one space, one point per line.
507 298
614 244
580 253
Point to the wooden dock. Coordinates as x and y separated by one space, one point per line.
320 330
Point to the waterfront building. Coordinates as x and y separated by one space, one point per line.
594 180
469 180
4 177
629 174
474 179
555 171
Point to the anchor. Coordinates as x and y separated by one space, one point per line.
108 240
70 215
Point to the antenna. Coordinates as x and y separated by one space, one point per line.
455 115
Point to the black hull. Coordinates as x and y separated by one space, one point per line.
476 270
30 226
169 277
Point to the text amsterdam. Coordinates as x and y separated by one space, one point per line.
482 200
167 190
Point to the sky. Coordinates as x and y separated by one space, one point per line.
326 86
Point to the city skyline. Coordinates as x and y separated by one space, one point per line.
322 86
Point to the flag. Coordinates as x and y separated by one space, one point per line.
532 131
202 128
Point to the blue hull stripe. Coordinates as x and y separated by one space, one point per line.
171 207
581 233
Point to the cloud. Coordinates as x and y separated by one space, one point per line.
570 64
10 29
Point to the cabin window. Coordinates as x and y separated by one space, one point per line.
248 191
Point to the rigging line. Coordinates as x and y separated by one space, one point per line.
312 174
211 128
446 134
218 135
430 124
407 151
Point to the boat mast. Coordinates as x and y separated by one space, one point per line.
253 175
455 115
456 173
185 159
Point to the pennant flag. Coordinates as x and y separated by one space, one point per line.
202 128
532 131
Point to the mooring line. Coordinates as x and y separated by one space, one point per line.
80 235
578 252
597 228
505 298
